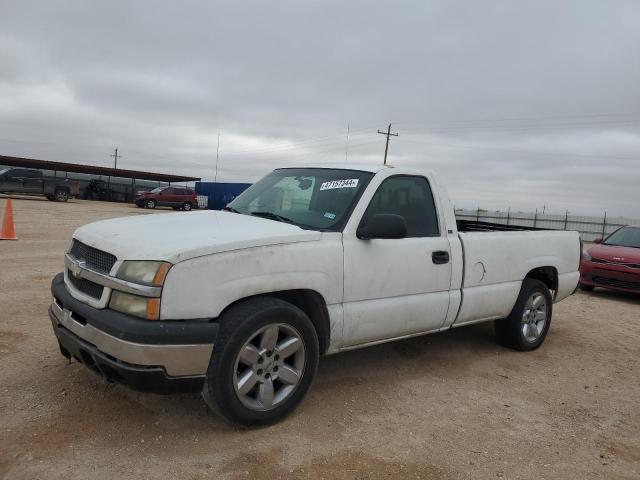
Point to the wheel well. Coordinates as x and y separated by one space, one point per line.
547 275
312 304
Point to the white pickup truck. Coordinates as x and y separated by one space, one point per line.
240 304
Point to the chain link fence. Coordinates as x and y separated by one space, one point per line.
590 228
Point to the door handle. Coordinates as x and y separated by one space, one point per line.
440 257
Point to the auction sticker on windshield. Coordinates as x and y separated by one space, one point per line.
348 183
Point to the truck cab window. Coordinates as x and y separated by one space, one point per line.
411 198
312 198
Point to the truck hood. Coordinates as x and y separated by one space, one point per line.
613 253
174 237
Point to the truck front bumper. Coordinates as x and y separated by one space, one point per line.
149 356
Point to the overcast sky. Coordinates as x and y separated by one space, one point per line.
514 103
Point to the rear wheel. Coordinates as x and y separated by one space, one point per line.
61 195
586 288
528 324
265 358
187 206
150 203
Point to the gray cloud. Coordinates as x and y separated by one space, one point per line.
518 104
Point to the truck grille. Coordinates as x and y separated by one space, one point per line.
610 262
94 258
86 286
614 282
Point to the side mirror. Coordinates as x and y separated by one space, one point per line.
383 225
598 240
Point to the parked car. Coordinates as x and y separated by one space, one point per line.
240 303
30 181
614 262
180 198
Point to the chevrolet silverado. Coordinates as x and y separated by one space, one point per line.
239 304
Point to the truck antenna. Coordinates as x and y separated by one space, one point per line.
215 178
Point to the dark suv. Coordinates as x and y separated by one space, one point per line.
180 198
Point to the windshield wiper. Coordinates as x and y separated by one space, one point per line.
230 209
272 216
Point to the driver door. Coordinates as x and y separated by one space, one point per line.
14 181
397 287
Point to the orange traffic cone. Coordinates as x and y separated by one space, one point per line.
8 231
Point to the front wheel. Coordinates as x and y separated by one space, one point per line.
264 360
150 204
61 195
527 325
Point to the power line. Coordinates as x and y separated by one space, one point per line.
335 138
386 148
524 152
526 127
518 119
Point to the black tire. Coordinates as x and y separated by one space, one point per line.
151 203
509 331
237 326
586 288
187 206
61 195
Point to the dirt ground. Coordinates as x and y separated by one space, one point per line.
448 406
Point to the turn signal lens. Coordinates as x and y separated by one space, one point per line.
161 274
153 309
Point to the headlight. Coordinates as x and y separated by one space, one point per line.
143 307
144 272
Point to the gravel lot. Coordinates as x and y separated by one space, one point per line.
447 406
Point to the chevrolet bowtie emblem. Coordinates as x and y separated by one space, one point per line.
76 268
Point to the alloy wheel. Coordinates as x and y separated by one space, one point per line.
534 317
269 367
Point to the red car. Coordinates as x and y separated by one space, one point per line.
180 198
614 262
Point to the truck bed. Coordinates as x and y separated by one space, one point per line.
477 226
497 258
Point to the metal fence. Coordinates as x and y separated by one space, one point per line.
590 228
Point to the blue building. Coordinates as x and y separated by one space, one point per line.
220 194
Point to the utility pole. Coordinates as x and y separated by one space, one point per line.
115 157
388 134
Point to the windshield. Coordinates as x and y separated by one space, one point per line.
624 237
313 198
3 171
157 190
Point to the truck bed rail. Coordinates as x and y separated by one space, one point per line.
476 226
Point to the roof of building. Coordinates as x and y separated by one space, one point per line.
92 169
